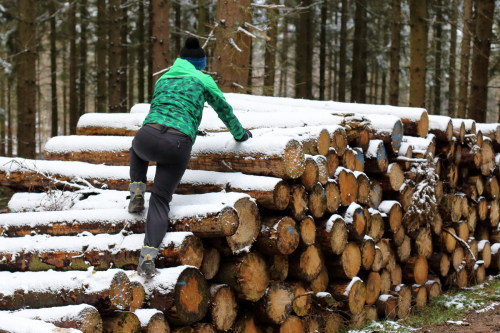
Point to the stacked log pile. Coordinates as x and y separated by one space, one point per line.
331 215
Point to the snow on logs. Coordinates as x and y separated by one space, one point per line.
278 156
107 291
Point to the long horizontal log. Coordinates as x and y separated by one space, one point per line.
185 214
278 156
107 291
180 292
490 130
82 317
101 251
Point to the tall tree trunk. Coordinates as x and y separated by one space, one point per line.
114 49
178 26
160 40
73 68
141 53
304 52
395 53
465 60
26 80
65 89
343 52
418 51
83 58
3 107
101 53
10 127
53 69
232 47
358 80
452 89
123 57
322 50
478 103
438 35
132 61
202 18
270 51
283 54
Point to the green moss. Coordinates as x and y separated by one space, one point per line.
37 265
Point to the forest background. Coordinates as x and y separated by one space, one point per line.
60 59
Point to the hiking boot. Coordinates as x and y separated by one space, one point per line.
136 204
146 265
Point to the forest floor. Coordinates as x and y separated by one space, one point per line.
471 310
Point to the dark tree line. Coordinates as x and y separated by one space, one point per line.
62 58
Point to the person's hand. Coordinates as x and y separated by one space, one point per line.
245 137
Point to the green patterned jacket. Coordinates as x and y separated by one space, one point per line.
179 97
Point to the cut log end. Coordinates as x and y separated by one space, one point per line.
248 227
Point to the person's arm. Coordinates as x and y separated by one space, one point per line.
217 101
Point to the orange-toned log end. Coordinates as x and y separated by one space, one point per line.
246 324
373 284
339 140
332 196
404 301
306 263
307 231
302 301
120 293
348 264
416 270
353 292
190 252
281 196
121 321
292 324
310 176
248 227
367 253
332 162
156 323
419 296
433 289
299 202
348 186
247 274
276 304
320 283
323 144
423 125
223 307
191 298
138 295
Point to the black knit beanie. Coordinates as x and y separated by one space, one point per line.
192 49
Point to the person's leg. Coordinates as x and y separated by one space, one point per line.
138 171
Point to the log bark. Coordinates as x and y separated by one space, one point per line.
183 296
246 274
112 292
82 317
352 293
223 307
278 236
178 249
122 321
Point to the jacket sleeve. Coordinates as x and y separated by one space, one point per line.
217 101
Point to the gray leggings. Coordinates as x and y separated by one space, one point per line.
171 152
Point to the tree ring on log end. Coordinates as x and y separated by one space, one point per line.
248 227
294 159
191 297
357 297
120 293
281 195
323 142
423 125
